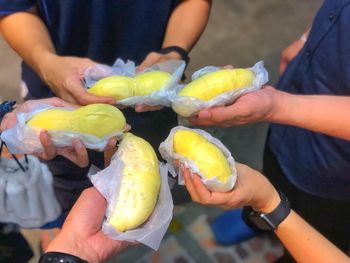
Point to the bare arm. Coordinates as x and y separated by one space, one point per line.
253 189
186 24
319 113
28 36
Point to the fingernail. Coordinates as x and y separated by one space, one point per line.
204 114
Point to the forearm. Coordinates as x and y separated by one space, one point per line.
187 23
28 36
319 113
305 243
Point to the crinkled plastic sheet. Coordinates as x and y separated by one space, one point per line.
187 106
150 233
27 198
213 184
157 98
25 139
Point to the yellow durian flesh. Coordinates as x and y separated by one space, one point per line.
95 119
139 186
207 156
215 83
151 81
118 87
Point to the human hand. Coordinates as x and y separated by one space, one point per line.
252 107
290 53
144 108
251 189
81 234
65 75
155 57
77 153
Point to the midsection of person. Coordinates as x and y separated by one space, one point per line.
316 163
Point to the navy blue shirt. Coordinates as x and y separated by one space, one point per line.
101 30
313 162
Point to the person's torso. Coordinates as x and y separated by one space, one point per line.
316 163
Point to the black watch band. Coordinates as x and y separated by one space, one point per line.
268 221
182 52
59 257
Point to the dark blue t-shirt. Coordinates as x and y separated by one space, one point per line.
98 29
316 163
102 30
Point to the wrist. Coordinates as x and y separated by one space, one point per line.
268 205
71 245
44 60
280 106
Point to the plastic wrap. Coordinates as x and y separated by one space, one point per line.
188 106
157 98
22 138
150 233
213 184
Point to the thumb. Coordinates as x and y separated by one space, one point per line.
80 94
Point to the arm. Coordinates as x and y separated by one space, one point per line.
318 113
28 36
186 24
292 50
253 189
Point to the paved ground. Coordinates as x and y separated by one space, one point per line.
239 33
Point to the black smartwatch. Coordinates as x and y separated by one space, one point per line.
182 52
267 221
58 257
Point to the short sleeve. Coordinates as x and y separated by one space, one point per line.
12 6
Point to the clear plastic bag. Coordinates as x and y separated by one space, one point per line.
27 197
213 184
120 68
188 106
22 138
150 233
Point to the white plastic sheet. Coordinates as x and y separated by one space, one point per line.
213 184
188 106
150 233
22 138
120 68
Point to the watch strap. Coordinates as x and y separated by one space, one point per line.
270 221
59 257
182 52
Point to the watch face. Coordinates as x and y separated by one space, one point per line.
261 222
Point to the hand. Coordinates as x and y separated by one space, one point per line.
290 53
144 108
81 234
251 189
252 107
65 74
77 153
154 57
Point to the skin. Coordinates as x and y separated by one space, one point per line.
28 36
81 234
313 112
253 189
77 153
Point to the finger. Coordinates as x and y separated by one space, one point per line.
189 184
228 67
127 127
144 108
50 150
79 93
150 59
57 102
111 145
77 154
196 121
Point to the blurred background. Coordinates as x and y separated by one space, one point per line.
238 33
